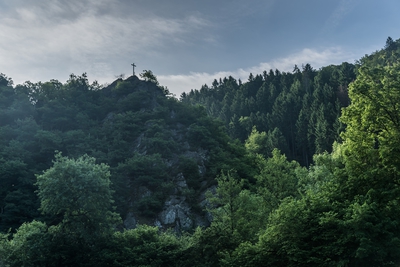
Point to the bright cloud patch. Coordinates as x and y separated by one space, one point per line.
184 83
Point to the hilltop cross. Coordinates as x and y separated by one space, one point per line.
133 65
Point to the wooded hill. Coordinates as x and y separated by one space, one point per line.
298 112
337 205
151 142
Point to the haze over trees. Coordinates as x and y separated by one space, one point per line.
285 169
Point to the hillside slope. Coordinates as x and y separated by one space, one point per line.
163 154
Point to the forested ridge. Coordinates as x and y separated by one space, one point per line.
285 169
298 112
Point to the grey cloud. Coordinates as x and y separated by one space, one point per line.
78 36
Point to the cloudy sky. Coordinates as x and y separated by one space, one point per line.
186 43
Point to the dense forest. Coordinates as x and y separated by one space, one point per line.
295 112
285 169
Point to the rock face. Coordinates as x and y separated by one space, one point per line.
177 213
130 221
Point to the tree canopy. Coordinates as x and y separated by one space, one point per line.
78 191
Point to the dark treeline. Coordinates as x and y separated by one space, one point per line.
298 111
311 180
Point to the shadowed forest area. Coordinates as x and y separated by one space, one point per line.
284 169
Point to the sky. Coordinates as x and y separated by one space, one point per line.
186 43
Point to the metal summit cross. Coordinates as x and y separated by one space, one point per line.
133 65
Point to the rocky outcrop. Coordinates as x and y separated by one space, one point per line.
177 213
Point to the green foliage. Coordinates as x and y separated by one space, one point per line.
238 216
222 236
78 191
150 181
264 143
277 179
251 216
148 75
256 142
190 170
348 211
122 88
143 246
302 231
227 201
371 160
118 125
35 244
298 111
20 205
27 246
